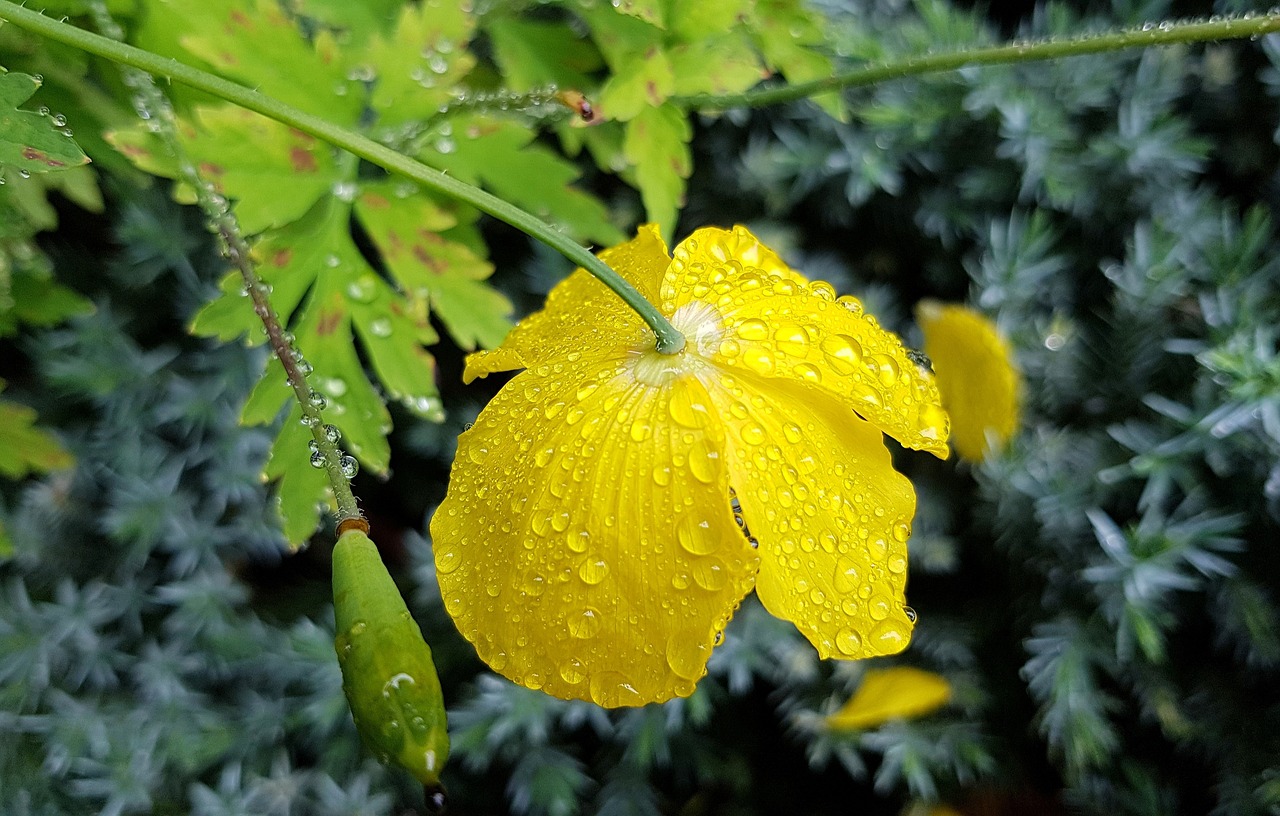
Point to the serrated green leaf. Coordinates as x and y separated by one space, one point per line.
534 54
788 33
418 68
273 172
501 155
24 448
29 142
715 65
302 491
651 11
38 300
643 81
692 20
254 42
426 263
357 21
657 144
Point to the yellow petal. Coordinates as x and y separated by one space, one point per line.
832 516
976 375
586 545
887 694
778 325
582 317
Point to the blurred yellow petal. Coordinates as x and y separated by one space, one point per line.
779 325
582 317
900 692
832 516
976 376
587 546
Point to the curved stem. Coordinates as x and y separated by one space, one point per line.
1151 34
669 340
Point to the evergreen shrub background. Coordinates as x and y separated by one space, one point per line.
1103 597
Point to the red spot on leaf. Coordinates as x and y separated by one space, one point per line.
135 152
434 265
211 169
375 201
31 154
302 160
239 18
328 323
281 257
651 90
228 58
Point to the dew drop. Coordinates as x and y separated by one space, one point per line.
349 466
447 561
752 434
688 410
586 624
317 460
317 400
759 360
593 570
847 578
686 656
889 637
703 461
791 340
694 534
573 671
753 329
848 642
842 352
710 574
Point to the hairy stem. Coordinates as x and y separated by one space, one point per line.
669 341
152 104
1151 34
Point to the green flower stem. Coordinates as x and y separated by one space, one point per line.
669 341
153 102
1151 34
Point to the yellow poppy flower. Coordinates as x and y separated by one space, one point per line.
976 375
593 542
888 694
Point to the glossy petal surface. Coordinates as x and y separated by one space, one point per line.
887 694
976 375
587 546
582 317
832 516
780 326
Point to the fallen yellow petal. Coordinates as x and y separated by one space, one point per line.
888 694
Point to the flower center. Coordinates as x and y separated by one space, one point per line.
702 328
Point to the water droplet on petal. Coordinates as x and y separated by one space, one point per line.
710 573
843 353
593 570
848 642
694 534
758 359
703 461
792 340
753 329
586 624
687 657
889 637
